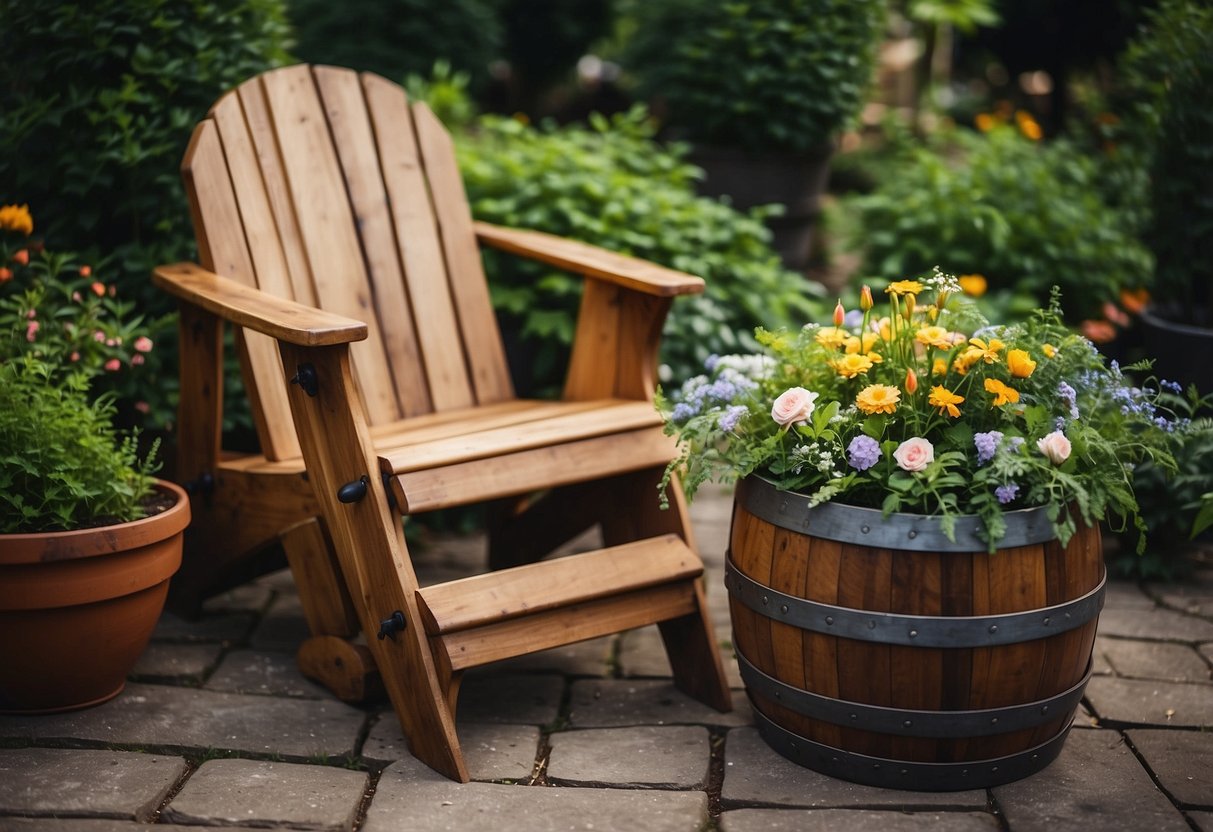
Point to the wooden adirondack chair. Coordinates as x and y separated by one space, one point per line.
335 235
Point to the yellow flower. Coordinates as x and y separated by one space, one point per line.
987 351
16 218
852 365
1049 350
884 328
940 368
1027 125
973 285
831 336
1020 363
934 336
985 122
878 398
1002 393
863 343
966 360
945 400
905 287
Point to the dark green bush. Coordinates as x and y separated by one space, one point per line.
1026 215
1169 72
610 184
397 37
97 101
764 75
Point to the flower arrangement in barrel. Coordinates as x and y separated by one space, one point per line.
65 340
920 405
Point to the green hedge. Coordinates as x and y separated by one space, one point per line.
610 184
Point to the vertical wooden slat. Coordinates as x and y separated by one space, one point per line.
751 542
916 672
789 566
223 249
956 671
326 226
341 95
864 583
477 322
420 251
821 651
593 365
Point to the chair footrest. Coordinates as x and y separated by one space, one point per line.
550 585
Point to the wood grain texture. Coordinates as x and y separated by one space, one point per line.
326 226
538 587
347 670
589 260
348 119
326 604
484 350
429 292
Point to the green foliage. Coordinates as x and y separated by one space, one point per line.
1026 215
1174 503
446 92
62 465
97 101
399 37
610 184
764 75
1170 79
928 409
63 337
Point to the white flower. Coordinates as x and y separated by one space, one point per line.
1055 446
793 405
915 454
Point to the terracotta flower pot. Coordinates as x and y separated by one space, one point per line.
78 608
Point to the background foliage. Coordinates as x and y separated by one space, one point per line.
610 184
764 75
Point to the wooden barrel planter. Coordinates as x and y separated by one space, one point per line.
879 651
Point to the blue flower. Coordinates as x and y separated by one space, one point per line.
730 418
683 412
863 452
987 445
1006 493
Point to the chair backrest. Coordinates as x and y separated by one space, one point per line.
325 186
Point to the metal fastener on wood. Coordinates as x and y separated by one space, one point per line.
305 376
388 627
354 491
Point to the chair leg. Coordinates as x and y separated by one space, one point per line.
326 604
690 644
521 533
369 542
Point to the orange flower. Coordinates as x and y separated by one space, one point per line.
5 274
85 271
987 351
21 258
1134 300
911 381
1020 363
985 122
16 218
1115 314
878 398
852 365
945 400
1002 393
973 285
865 298
1101 332
940 368
840 314
98 288
1028 126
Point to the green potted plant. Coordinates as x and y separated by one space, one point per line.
1170 78
762 88
915 570
88 538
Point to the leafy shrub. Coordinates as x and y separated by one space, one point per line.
1170 79
764 75
610 184
96 105
398 38
61 332
1026 215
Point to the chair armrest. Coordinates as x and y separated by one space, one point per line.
245 306
591 261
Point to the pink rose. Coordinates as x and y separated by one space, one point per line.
1055 446
914 454
136 360
143 343
793 405
113 365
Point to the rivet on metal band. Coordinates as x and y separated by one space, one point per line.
908 722
930 630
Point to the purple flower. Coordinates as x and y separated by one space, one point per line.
733 415
863 452
853 319
710 362
987 445
1006 493
1171 386
1015 443
683 412
1070 397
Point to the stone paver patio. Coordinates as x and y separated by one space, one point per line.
218 728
